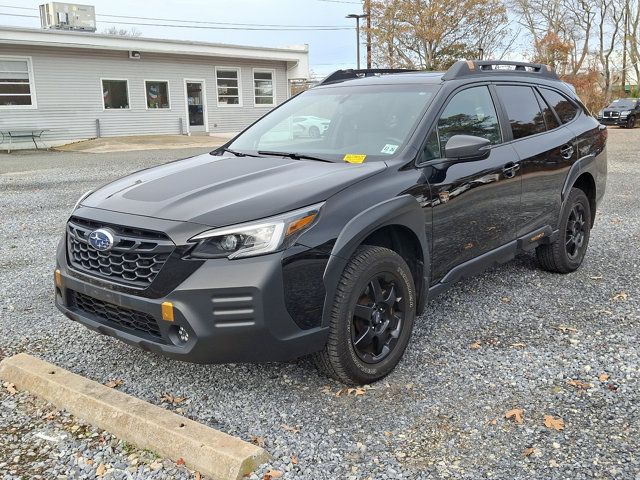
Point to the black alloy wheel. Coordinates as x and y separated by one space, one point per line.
631 122
378 319
575 231
371 319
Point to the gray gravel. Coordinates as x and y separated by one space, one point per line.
511 338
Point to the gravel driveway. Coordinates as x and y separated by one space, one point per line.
515 338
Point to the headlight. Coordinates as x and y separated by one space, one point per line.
625 113
81 199
601 113
255 238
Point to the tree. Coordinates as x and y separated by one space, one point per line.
433 34
122 32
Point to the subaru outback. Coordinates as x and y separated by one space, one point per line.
277 246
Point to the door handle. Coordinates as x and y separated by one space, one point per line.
510 169
566 151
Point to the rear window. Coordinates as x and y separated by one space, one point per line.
522 109
566 110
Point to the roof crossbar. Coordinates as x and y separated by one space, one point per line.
351 74
463 68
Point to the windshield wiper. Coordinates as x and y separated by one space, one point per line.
294 156
233 152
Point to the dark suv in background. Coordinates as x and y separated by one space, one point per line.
623 112
277 245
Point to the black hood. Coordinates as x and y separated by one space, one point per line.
219 191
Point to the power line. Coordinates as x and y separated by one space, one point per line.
201 27
198 21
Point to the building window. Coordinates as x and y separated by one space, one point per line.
115 94
263 88
228 83
16 83
157 94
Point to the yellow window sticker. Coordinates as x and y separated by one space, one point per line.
352 158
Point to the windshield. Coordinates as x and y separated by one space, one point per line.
622 103
341 123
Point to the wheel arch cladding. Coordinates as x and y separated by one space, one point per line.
397 224
587 184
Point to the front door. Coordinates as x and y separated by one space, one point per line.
474 204
196 107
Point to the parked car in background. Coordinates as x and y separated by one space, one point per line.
310 126
273 246
623 112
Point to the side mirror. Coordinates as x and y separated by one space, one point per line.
467 147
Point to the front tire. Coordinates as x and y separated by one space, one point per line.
314 132
631 122
372 317
565 255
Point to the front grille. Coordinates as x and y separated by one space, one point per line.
119 317
135 258
611 114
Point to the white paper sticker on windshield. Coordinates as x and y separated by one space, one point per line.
389 149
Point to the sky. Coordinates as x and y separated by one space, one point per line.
328 50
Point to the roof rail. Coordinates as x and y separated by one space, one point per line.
463 68
351 74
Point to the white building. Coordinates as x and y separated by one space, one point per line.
80 85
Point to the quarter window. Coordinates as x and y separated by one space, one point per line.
16 83
522 109
115 94
228 83
263 88
563 107
157 94
550 119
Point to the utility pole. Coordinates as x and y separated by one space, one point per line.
367 12
357 17
625 31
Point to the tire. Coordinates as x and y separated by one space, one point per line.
314 132
565 255
631 122
347 356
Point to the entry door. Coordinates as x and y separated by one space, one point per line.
474 204
196 106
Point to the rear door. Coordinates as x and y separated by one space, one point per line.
546 150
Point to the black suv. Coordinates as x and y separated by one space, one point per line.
623 112
277 246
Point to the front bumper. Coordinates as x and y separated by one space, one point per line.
233 311
613 120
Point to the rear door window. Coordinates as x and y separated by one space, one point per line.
563 107
522 109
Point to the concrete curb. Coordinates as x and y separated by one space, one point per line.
148 426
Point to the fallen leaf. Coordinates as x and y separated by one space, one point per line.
359 391
475 345
101 470
565 329
528 451
197 476
603 377
596 277
291 429
516 414
116 382
180 461
272 474
387 434
294 459
555 423
518 345
612 387
259 441
11 388
579 384
505 299
167 398
620 296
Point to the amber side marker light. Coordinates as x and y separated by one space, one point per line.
167 311
300 223
58 277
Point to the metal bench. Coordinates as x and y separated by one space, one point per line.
33 134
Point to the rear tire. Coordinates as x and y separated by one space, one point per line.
565 255
314 132
372 317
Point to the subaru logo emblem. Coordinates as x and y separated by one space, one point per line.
101 240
